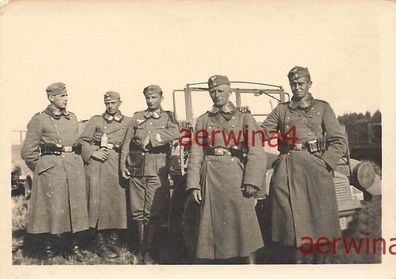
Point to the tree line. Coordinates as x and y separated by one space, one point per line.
353 117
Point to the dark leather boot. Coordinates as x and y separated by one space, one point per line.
113 242
101 248
72 249
140 252
76 253
49 251
149 236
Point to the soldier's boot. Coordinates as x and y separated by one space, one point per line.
149 233
140 252
49 249
113 242
101 248
76 253
73 251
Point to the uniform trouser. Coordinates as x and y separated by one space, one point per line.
149 197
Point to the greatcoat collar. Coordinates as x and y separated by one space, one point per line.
56 113
304 103
116 117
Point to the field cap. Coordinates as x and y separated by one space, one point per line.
152 89
111 95
298 72
217 80
56 88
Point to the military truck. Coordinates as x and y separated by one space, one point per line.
21 176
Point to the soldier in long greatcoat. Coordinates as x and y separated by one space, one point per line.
224 173
302 194
58 201
102 140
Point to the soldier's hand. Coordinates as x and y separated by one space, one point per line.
196 195
101 154
145 142
248 191
244 109
125 173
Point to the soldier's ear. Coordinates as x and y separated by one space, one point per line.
51 98
310 83
162 98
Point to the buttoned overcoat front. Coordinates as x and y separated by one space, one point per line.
106 188
58 201
227 224
302 195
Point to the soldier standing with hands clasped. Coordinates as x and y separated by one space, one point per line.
102 139
302 195
222 177
58 198
144 162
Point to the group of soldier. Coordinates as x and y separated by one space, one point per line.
117 167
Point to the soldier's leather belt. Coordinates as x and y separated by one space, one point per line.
312 146
110 146
163 149
58 149
221 151
158 150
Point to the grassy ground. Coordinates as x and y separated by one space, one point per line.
366 224
20 251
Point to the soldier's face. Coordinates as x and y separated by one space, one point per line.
153 101
300 87
59 101
220 95
112 106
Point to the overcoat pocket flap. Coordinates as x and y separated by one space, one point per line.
45 165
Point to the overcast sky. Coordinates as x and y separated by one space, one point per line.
95 46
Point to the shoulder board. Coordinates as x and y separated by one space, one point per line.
96 116
139 111
38 113
321 101
284 103
206 113
203 116
171 116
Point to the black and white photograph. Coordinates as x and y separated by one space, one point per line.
182 135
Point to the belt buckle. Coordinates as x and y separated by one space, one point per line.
218 151
58 149
110 146
67 149
298 146
312 145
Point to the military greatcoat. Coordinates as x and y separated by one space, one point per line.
302 193
58 197
227 226
106 189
